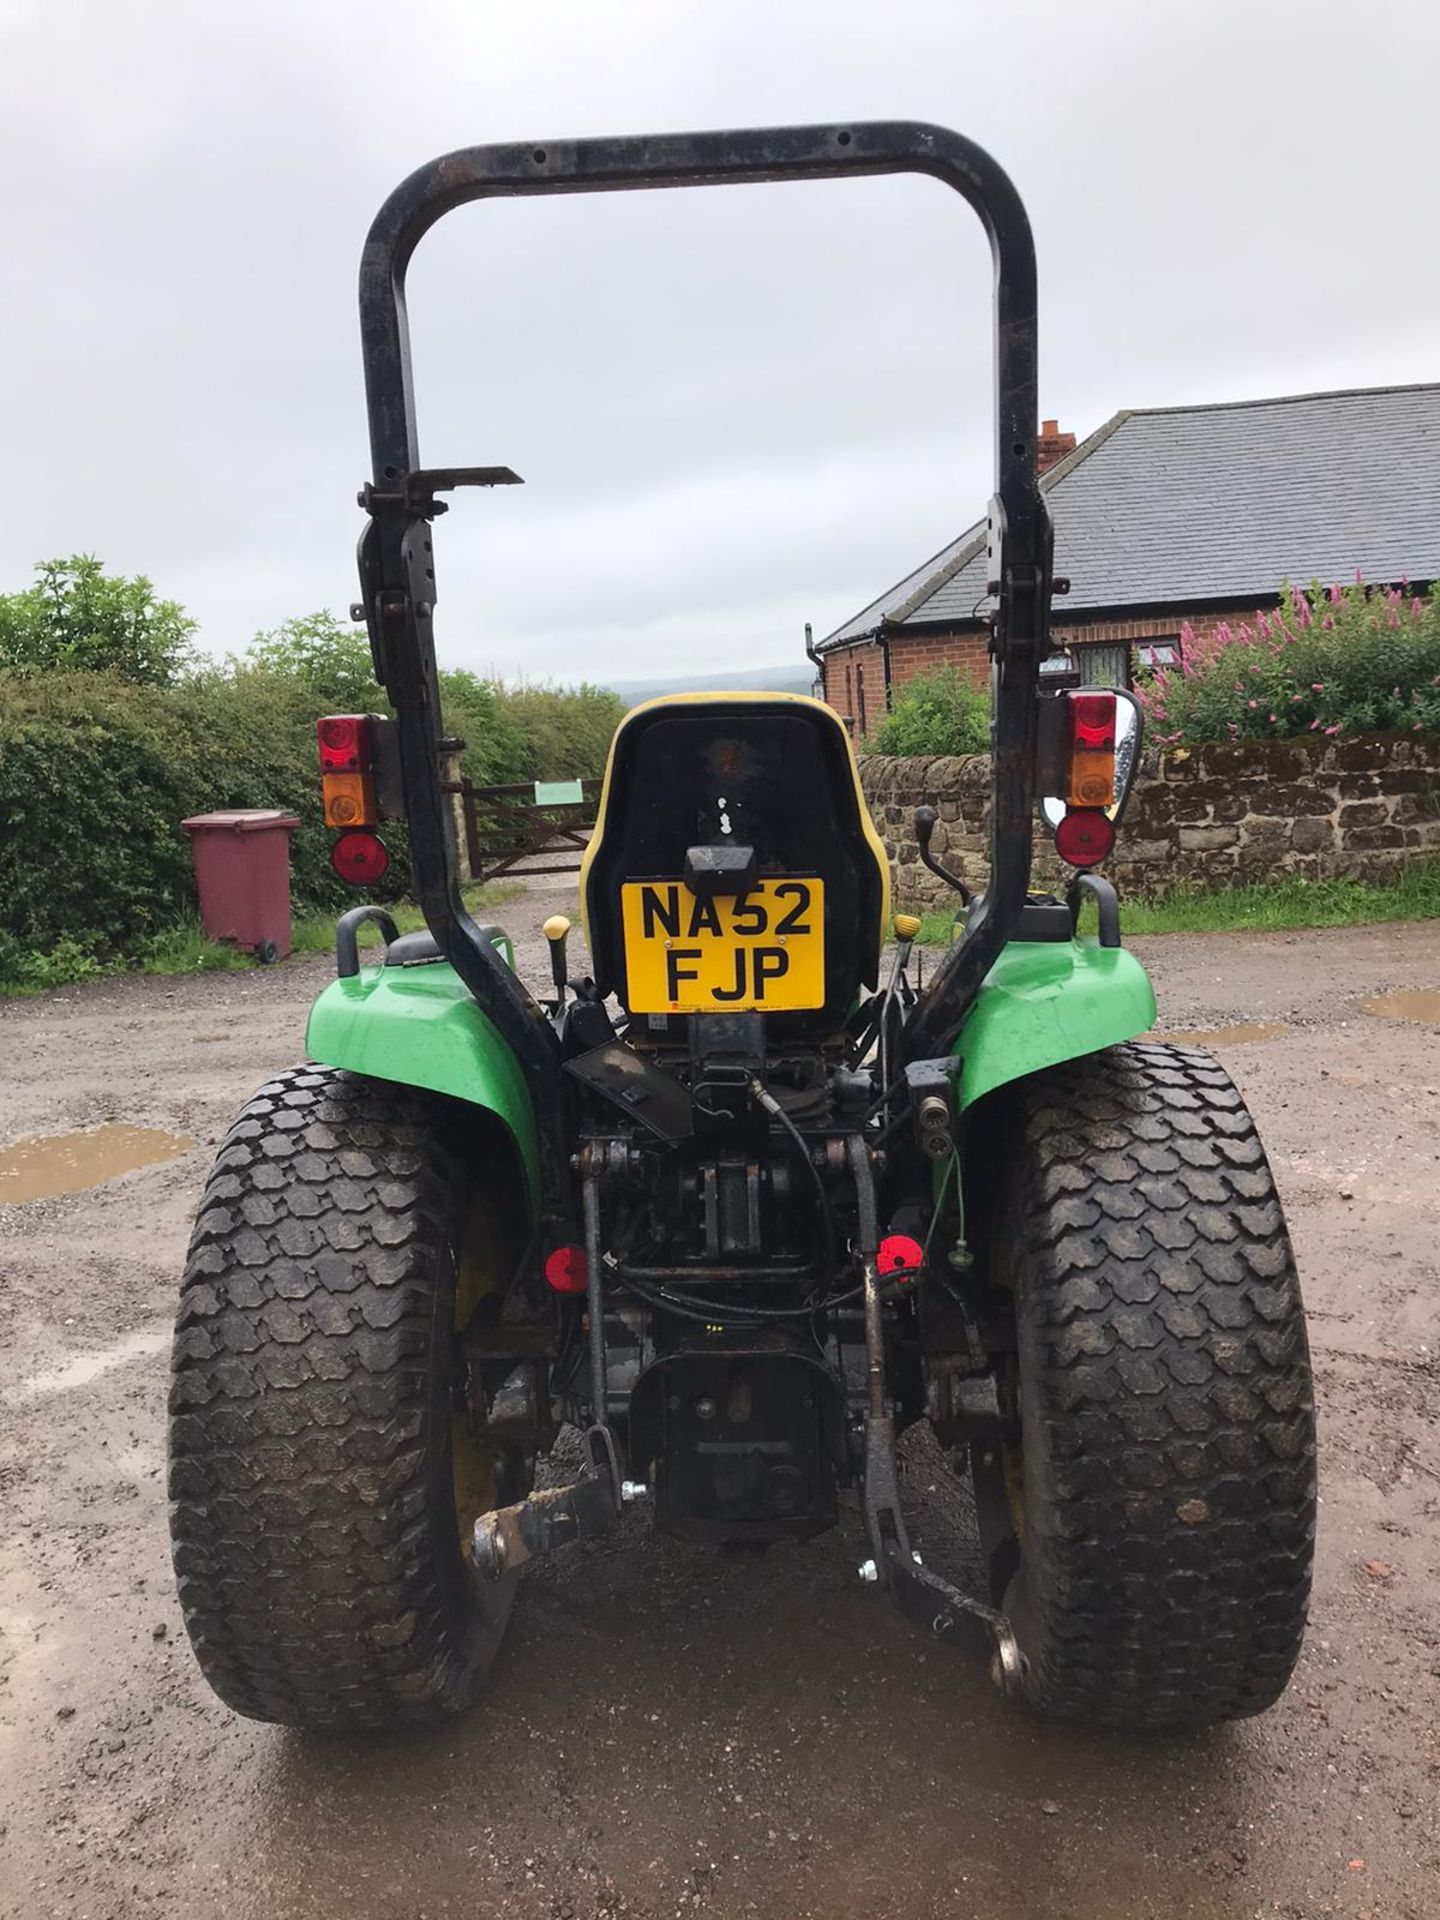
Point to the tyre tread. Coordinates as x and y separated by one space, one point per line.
316 1582
1170 1504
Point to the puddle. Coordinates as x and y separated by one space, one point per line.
1240 1036
68 1162
1422 1005
82 1368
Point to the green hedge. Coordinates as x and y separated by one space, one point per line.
92 782
96 774
942 712
528 732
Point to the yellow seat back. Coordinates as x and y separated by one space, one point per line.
775 772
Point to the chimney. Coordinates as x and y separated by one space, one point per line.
1052 446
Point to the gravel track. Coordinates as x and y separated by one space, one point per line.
668 1732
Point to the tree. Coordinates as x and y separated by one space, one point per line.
936 713
476 710
326 656
77 618
510 733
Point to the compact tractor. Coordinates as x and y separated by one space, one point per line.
740 1200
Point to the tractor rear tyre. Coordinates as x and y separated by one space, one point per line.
1161 1510
324 1473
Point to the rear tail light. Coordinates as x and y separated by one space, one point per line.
345 770
360 857
344 742
349 800
1084 837
899 1257
567 1270
1092 749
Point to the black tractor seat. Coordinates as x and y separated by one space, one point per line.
418 949
716 797
1044 918
412 950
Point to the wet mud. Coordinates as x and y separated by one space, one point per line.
1245 1033
37 1169
667 1731
1422 1006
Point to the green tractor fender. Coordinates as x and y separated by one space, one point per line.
1044 1002
419 1025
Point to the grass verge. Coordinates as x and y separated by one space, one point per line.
1263 906
184 948
1272 905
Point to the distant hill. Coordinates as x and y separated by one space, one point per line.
758 680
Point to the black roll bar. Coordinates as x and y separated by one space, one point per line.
397 567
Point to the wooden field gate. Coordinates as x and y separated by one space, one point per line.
533 827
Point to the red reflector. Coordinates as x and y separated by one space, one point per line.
566 1270
1084 837
344 742
900 1255
360 857
1092 721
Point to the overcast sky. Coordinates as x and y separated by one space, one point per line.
735 409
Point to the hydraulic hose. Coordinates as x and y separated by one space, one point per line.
764 1098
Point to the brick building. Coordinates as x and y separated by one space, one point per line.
1174 515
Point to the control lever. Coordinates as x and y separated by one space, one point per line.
907 927
925 818
557 931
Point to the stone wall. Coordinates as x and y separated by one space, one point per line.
1200 817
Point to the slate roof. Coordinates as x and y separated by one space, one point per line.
1190 504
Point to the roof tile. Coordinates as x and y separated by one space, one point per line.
1188 504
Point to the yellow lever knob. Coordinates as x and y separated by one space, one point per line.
557 926
907 925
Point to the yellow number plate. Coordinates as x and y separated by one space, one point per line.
764 953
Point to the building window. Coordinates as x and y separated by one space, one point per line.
1092 666
1159 652
1107 666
